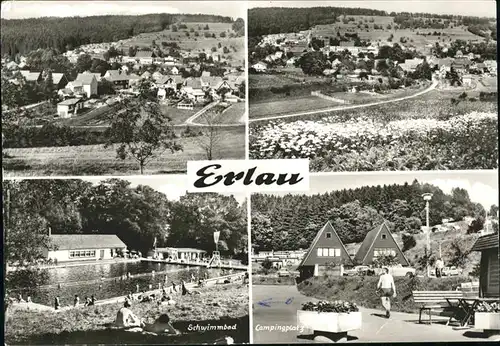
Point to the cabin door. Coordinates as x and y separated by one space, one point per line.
101 254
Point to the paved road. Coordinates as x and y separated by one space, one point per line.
337 108
401 327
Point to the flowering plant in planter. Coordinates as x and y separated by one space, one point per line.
337 306
488 307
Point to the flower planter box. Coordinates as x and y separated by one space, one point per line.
487 320
331 322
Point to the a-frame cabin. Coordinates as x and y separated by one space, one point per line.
327 254
379 242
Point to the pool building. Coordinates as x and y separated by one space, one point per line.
82 247
178 254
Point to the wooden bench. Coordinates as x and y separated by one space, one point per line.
443 302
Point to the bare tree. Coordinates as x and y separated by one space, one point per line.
211 138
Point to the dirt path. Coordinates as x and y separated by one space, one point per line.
431 87
191 120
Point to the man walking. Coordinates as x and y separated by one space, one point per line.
439 267
388 289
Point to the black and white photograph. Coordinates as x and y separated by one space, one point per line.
121 87
374 85
124 261
378 257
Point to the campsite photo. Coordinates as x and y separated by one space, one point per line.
374 85
121 87
114 261
378 257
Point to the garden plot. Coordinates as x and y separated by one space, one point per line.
98 160
289 105
233 115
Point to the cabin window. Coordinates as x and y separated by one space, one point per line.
384 236
331 252
328 235
337 252
320 252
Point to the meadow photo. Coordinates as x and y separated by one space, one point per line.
323 260
119 261
100 92
360 88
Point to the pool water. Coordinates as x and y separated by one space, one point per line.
109 280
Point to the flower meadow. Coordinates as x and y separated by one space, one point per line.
334 143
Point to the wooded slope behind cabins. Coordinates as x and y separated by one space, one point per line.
78 247
327 253
489 266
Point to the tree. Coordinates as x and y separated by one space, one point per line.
222 34
174 28
267 264
239 27
212 137
141 130
105 87
459 251
313 63
408 242
206 27
83 63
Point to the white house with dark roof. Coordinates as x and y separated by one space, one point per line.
80 247
145 57
69 107
84 83
193 88
118 78
32 77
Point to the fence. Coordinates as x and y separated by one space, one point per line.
329 98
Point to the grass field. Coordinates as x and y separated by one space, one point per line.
179 116
97 160
235 114
289 105
97 116
224 305
195 44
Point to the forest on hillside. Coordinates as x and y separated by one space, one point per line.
25 35
136 214
274 20
290 222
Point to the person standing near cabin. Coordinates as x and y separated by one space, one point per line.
439 267
76 301
387 288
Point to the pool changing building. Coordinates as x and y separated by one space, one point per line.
83 247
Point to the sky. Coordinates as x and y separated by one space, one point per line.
29 9
173 186
480 8
482 186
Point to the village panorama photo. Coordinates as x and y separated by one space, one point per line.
121 87
328 264
374 85
124 261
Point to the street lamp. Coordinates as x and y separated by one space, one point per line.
427 197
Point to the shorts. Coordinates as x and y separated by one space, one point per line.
386 292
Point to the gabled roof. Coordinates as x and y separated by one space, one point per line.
194 83
370 239
85 78
57 77
86 241
30 76
260 63
486 242
211 81
116 75
69 102
205 74
306 260
144 54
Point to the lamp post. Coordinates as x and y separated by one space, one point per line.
427 197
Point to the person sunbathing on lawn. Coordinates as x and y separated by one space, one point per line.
125 318
161 326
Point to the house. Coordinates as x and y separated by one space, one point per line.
491 65
326 254
31 77
85 83
180 254
459 54
291 62
169 82
260 66
489 269
69 107
205 74
193 88
145 57
379 242
146 75
444 65
124 69
119 79
59 80
210 82
133 79
78 247
461 64
411 64
174 70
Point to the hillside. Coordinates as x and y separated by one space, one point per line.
24 35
